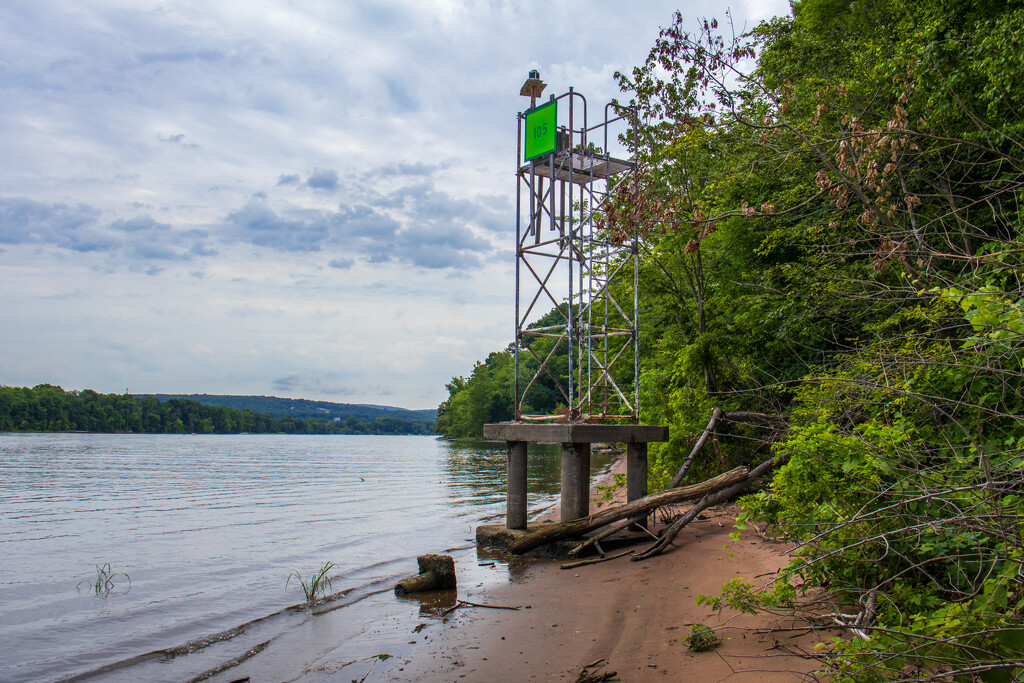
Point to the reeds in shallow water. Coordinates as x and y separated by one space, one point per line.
317 584
104 582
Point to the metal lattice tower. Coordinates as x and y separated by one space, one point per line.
586 353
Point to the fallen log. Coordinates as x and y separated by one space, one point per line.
578 527
609 531
672 530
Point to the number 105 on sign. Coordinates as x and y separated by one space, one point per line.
541 126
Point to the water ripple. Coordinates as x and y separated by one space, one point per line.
208 528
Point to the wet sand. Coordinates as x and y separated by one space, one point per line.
631 614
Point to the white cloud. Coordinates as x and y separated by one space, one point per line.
312 199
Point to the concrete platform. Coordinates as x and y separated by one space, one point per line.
574 433
500 537
576 439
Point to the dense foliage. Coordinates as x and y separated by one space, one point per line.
487 395
47 408
832 215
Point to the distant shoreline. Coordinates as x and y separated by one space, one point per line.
45 408
82 431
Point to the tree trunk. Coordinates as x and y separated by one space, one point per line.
437 572
578 527
710 500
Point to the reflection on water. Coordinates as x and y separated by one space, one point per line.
516 567
477 470
432 604
209 528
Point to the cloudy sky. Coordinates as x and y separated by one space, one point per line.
301 198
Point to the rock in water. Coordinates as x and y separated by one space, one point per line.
437 572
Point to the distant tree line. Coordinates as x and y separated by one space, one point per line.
48 408
300 408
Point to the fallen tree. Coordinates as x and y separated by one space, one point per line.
762 419
710 492
609 530
773 422
712 499
640 506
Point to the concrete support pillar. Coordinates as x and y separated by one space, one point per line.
515 489
636 473
575 480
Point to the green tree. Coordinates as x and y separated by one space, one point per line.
868 170
484 397
832 231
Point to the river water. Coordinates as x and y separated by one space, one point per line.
209 527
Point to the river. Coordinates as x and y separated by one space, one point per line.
200 534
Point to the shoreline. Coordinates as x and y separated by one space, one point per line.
631 615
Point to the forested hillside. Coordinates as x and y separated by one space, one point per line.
46 408
301 408
832 219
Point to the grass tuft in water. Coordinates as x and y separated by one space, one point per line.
105 580
317 584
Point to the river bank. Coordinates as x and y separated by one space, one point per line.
633 615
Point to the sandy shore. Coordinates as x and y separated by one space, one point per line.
631 614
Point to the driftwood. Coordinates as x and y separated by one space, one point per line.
594 560
672 530
467 603
608 531
578 527
437 572
592 673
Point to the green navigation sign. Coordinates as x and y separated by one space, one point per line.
541 130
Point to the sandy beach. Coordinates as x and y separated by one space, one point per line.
630 616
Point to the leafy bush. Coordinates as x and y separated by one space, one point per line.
701 639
